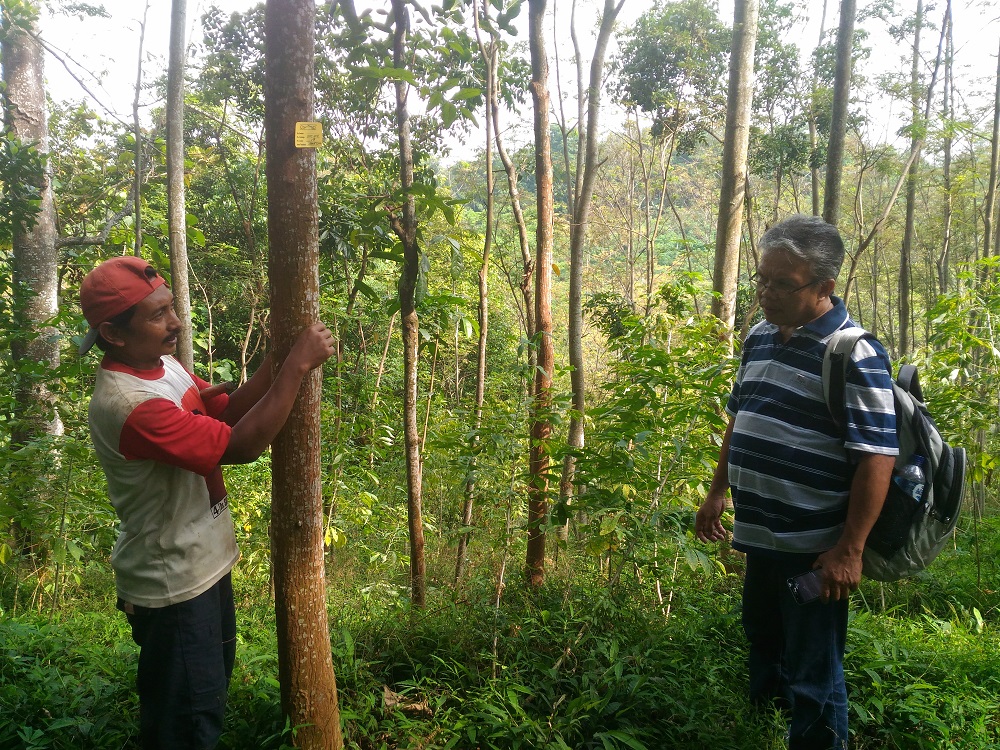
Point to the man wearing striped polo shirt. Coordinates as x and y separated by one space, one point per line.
805 493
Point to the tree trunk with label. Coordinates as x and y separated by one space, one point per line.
305 667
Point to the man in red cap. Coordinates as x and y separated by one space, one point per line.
162 435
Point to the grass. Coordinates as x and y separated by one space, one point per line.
575 665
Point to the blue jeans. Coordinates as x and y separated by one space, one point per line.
186 657
796 653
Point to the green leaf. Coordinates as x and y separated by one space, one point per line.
387 74
368 291
467 93
627 739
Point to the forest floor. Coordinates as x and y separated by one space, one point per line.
578 664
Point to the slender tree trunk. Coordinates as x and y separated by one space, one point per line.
866 240
35 267
137 135
734 164
541 425
948 113
305 667
176 212
588 163
989 209
814 126
527 262
906 249
660 158
405 227
489 53
838 120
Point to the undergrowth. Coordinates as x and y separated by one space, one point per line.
577 664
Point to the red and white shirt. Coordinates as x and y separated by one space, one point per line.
160 445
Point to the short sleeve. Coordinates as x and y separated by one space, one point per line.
158 430
871 413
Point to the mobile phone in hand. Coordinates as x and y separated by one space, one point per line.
806 587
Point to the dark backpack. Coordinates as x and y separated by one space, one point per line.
907 536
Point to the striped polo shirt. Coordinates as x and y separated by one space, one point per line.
790 467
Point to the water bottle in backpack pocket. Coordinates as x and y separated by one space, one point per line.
904 500
919 515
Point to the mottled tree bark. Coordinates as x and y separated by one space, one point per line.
305 667
35 263
541 425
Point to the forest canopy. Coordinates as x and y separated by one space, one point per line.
527 398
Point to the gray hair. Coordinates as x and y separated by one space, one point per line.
809 238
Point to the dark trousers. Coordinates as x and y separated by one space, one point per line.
796 653
186 655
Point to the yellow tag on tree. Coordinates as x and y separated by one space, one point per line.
308 134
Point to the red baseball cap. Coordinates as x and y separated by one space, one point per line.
112 288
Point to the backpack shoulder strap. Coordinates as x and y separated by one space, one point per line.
907 380
835 359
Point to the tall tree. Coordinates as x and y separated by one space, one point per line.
541 422
137 137
814 120
35 272
404 224
489 51
838 121
670 67
305 666
948 115
734 163
581 194
989 210
916 144
176 212
917 125
525 283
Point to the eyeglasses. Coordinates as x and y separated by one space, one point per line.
779 288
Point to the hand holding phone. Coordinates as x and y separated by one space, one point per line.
806 587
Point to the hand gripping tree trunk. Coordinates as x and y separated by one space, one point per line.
176 212
405 227
541 425
35 266
305 667
734 164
